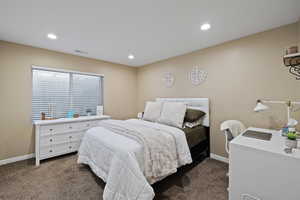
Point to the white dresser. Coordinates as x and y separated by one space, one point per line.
261 170
61 136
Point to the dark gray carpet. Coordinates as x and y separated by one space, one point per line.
63 179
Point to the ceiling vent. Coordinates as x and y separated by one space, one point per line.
81 52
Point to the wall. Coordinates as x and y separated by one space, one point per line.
16 128
299 33
239 73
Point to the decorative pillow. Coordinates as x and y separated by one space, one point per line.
193 124
152 111
173 114
193 115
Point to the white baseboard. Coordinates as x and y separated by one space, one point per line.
219 158
15 159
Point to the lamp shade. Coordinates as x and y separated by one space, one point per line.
260 107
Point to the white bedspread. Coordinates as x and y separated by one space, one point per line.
119 160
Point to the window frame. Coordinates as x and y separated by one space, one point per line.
71 72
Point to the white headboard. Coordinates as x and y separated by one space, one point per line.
195 103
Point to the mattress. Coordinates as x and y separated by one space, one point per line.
195 135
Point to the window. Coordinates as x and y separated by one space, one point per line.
57 92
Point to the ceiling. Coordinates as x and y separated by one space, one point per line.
151 30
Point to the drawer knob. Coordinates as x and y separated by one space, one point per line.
70 127
51 140
70 147
50 129
88 125
50 151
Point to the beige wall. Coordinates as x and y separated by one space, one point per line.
239 73
299 33
16 134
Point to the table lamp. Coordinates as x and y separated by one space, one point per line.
291 123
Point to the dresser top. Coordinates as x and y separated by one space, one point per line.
69 120
275 145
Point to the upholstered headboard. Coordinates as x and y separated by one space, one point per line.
195 103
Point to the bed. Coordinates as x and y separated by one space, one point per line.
119 158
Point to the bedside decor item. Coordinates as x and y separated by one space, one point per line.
260 106
76 115
197 76
140 115
291 140
168 79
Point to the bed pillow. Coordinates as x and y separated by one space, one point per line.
172 114
152 111
193 115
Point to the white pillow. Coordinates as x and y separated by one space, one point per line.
152 111
173 114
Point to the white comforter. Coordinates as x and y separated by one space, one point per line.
119 159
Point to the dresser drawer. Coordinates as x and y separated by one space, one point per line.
77 136
46 151
52 129
55 150
56 139
75 146
87 125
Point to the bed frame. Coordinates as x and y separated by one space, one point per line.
201 150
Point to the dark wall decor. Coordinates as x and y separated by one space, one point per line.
293 62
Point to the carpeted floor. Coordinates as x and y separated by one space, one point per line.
63 179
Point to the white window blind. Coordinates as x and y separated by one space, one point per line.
56 93
86 93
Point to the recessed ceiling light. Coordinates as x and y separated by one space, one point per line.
205 27
52 36
131 57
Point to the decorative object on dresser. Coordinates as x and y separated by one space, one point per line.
61 136
99 110
197 75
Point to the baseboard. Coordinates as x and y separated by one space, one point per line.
219 158
28 156
16 159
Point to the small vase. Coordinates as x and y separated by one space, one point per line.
291 143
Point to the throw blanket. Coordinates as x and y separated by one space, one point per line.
164 150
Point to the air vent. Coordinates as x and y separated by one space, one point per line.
81 52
